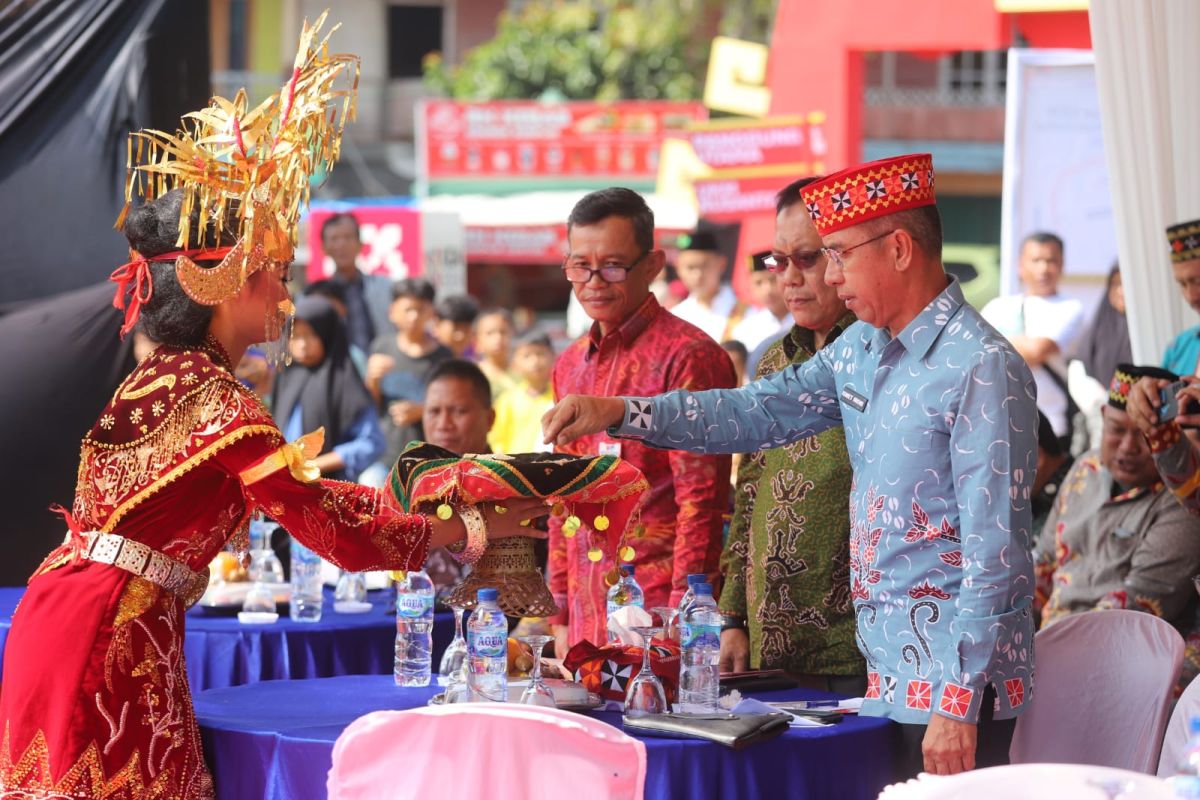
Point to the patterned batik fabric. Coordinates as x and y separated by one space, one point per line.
684 513
787 561
940 425
1106 548
95 700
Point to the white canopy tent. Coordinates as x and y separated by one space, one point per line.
1148 75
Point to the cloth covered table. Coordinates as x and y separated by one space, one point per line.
275 740
222 652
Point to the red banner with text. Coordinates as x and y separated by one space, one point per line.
525 139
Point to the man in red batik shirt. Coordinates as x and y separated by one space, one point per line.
634 348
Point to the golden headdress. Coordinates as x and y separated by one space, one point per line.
247 171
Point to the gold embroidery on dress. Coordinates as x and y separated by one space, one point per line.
139 595
165 382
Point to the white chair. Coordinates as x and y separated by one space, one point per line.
1065 781
493 750
1102 691
1176 738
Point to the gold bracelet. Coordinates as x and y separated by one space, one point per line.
477 535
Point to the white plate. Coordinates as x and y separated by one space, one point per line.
232 595
257 617
351 607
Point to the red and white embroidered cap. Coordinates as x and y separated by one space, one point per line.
870 190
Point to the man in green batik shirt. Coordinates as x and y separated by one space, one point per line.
786 600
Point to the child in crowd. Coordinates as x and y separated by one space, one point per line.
519 409
493 347
335 293
399 366
322 389
453 318
738 355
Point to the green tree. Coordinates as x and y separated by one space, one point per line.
602 49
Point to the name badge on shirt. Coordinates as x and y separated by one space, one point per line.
853 399
610 449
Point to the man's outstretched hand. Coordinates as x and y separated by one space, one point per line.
578 415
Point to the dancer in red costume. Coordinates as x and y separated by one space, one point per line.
95 700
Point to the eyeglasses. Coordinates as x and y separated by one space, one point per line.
839 256
609 273
803 259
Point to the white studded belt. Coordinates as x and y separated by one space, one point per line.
145 562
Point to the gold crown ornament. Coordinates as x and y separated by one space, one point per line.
247 171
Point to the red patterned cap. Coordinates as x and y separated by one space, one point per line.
870 190
1185 241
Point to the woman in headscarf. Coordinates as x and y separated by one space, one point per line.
1105 343
322 389
96 701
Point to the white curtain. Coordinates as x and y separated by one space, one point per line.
1148 75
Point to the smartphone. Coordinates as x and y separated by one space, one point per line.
1170 405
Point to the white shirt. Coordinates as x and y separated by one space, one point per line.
712 320
1057 318
758 326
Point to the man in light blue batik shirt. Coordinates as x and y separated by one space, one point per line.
941 425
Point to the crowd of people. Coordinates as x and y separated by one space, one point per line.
920 485
855 543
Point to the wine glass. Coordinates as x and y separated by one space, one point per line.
668 615
645 694
456 653
351 587
537 693
457 690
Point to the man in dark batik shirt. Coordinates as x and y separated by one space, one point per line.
786 566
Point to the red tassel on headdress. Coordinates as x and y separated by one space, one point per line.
136 275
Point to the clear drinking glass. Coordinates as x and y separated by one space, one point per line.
645 694
351 588
260 599
668 615
456 653
265 566
537 693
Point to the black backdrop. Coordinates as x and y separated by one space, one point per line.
75 77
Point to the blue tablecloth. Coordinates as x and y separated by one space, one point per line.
275 740
221 652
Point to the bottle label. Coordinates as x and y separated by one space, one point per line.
413 605
699 635
487 644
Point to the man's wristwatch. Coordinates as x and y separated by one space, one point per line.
731 622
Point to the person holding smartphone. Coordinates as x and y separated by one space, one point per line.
1163 410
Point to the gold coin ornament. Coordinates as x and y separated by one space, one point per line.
595 554
626 553
444 512
558 509
572 521
639 530
611 577
600 523
501 509
397 574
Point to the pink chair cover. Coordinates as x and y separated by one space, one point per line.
1102 693
1059 781
1175 741
492 750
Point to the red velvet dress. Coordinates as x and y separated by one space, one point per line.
95 700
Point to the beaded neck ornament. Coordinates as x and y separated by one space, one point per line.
243 170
